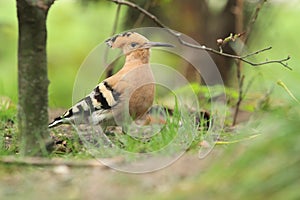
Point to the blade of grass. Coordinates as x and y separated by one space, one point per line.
280 83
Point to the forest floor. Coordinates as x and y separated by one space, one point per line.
97 181
72 176
256 159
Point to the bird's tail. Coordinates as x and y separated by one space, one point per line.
65 118
57 121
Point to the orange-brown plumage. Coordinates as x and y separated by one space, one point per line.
129 91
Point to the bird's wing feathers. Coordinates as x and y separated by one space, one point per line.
93 108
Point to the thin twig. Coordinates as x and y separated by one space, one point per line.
281 62
249 84
202 47
257 52
241 79
253 19
115 26
141 17
114 29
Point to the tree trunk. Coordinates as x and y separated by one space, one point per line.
32 75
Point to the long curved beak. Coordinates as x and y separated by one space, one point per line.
157 44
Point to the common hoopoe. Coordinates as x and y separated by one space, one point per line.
130 90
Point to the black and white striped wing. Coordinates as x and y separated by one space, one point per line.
94 108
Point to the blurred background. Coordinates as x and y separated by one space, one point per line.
75 27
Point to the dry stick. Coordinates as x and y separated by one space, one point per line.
38 161
202 47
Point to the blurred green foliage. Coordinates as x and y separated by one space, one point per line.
74 30
8 49
276 27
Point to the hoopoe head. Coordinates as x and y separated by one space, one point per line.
132 41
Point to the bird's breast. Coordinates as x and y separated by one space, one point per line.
137 87
141 100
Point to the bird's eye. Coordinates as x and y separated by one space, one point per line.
133 44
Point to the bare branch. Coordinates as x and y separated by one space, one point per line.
202 47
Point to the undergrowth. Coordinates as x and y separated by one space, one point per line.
184 129
8 127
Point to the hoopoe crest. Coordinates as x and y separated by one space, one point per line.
128 92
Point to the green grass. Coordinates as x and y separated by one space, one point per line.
8 127
179 133
169 139
176 135
69 143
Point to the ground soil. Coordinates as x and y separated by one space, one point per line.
90 179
